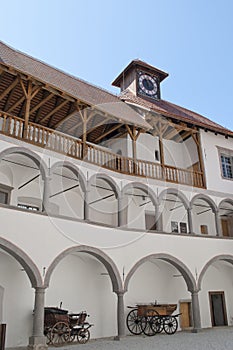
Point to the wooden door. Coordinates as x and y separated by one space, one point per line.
185 317
218 309
225 227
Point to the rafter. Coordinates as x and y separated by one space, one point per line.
108 132
41 103
55 110
10 87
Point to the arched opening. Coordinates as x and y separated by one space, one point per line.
216 293
173 208
67 191
21 179
139 207
103 200
84 278
18 275
204 215
161 279
226 217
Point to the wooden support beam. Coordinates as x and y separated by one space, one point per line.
68 116
108 132
10 87
55 110
41 103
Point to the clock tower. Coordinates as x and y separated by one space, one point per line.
141 79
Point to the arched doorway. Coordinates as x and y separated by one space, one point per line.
173 208
204 213
103 194
226 217
163 279
18 275
139 207
216 293
84 278
67 190
22 176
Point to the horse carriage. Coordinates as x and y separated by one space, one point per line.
60 327
151 319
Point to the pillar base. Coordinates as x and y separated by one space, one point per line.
196 330
37 343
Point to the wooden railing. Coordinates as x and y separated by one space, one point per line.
70 146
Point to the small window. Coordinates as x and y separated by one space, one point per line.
204 229
28 207
3 197
5 192
227 166
226 162
156 154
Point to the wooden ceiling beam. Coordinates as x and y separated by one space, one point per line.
108 132
10 87
98 125
55 110
42 102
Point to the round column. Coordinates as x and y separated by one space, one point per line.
38 339
120 316
196 312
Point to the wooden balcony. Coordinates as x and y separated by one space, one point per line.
56 141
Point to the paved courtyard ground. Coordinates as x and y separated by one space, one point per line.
207 339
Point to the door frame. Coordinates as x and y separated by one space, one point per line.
223 307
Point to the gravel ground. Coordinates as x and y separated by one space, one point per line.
207 339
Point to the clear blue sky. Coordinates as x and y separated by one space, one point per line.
192 40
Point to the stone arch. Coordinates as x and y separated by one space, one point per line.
77 172
204 198
223 257
30 154
181 267
177 193
108 179
144 188
226 200
97 253
24 260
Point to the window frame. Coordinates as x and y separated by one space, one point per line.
224 152
6 189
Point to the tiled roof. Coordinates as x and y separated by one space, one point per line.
75 87
171 110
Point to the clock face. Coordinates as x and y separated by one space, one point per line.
148 85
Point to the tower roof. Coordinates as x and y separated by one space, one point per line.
139 64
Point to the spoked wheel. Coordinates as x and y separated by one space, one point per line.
83 335
170 324
157 324
49 337
60 333
149 323
133 322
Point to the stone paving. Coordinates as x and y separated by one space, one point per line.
220 338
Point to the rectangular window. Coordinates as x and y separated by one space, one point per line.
226 162
3 197
5 193
28 207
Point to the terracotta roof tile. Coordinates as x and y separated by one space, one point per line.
169 109
73 86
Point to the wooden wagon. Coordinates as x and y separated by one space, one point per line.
61 327
152 318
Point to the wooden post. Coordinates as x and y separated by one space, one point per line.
84 135
29 94
196 138
134 134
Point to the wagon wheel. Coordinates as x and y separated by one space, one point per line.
170 324
49 337
60 333
157 324
149 323
133 322
83 335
